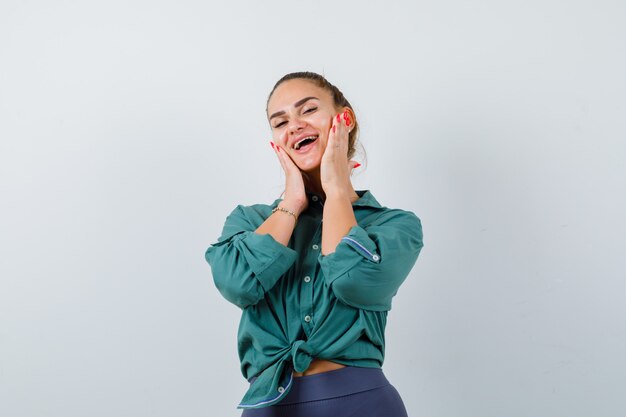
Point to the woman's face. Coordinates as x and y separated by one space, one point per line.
299 109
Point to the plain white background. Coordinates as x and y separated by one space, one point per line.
130 129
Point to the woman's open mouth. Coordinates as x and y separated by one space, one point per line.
305 144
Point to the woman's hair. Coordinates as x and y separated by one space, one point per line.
338 98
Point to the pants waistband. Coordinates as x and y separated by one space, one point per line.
331 384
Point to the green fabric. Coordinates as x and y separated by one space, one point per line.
298 304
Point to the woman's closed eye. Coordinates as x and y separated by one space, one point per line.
310 110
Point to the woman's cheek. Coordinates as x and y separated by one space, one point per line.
282 137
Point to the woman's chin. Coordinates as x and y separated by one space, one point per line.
308 163
309 166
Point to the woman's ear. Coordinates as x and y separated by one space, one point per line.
349 113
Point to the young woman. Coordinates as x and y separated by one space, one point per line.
314 272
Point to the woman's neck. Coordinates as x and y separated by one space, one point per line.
314 185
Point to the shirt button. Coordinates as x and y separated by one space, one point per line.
281 389
315 247
307 318
307 279
375 257
314 198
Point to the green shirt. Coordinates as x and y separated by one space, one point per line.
298 304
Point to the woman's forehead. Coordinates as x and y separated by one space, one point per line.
291 91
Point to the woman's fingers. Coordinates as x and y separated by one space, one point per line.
294 182
280 158
338 135
287 162
345 124
284 158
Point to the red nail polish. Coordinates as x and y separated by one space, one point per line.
345 115
272 143
348 121
334 128
338 119
357 165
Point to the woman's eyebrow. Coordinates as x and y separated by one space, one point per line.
296 104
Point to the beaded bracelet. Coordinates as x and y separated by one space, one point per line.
286 211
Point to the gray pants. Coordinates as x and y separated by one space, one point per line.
345 392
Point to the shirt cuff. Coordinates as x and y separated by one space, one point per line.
268 258
353 248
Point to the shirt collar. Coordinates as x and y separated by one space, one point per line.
366 198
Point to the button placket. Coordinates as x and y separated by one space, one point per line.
307 287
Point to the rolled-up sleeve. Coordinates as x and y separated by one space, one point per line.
245 264
370 263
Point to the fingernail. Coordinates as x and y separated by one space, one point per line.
348 121
278 147
338 119
272 143
345 115
357 165
334 128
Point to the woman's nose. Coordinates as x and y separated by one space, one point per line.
295 125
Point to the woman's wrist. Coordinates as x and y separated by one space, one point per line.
342 193
292 206
287 211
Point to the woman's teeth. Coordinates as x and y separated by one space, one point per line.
305 142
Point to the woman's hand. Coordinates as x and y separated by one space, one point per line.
335 167
295 196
